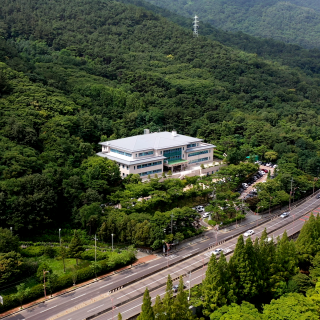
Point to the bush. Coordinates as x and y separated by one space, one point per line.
89 255
212 223
34 251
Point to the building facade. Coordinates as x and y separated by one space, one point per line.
154 153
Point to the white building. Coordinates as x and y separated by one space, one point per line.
156 152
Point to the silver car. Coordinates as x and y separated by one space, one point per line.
249 233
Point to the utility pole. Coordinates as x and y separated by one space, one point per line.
60 237
290 195
112 240
95 255
189 285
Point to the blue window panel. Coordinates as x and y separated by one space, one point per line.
151 164
121 152
150 172
191 145
197 153
198 160
145 153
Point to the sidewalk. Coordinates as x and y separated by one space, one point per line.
80 285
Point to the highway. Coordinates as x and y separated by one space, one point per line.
103 294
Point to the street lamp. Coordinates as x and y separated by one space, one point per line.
44 283
189 286
95 254
11 230
112 240
60 237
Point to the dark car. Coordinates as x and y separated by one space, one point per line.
318 196
176 286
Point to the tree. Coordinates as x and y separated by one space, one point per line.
215 286
11 265
22 293
159 310
76 247
180 304
168 298
271 155
146 309
44 266
293 306
245 311
63 253
90 216
8 242
52 282
119 316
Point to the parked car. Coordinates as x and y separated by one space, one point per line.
284 215
318 196
249 233
265 170
217 251
206 215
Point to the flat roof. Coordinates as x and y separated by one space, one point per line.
129 161
156 140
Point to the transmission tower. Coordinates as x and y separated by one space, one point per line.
195 26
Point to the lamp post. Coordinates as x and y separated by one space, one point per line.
44 283
60 237
11 230
189 286
112 240
95 255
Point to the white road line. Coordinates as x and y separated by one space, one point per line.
78 296
96 308
47 309
106 284
153 266
129 275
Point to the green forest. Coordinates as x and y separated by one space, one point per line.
106 70
292 21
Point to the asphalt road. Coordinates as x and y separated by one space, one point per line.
96 297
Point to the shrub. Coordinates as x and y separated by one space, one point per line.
34 251
89 255
212 223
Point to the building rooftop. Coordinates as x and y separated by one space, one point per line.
156 140
129 161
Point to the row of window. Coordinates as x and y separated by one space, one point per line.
191 145
150 172
197 153
199 160
176 150
121 152
145 153
151 164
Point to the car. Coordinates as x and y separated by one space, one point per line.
176 287
206 215
284 215
265 170
200 210
249 233
318 196
217 251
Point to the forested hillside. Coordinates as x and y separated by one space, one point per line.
88 71
268 48
292 21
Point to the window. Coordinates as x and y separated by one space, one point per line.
183 148
123 166
150 172
136 155
123 174
198 160
134 167
140 166
191 145
173 154
197 153
121 152
145 153
160 152
127 167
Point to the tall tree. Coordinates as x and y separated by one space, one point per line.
8 242
180 304
159 309
76 247
22 293
146 309
215 285
168 298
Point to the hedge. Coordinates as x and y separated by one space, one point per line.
64 281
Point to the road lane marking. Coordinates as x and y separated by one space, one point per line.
78 296
47 309
95 308
153 266
129 275
106 284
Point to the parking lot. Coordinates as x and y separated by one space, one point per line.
251 188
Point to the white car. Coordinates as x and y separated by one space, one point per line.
217 251
248 233
206 215
285 214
